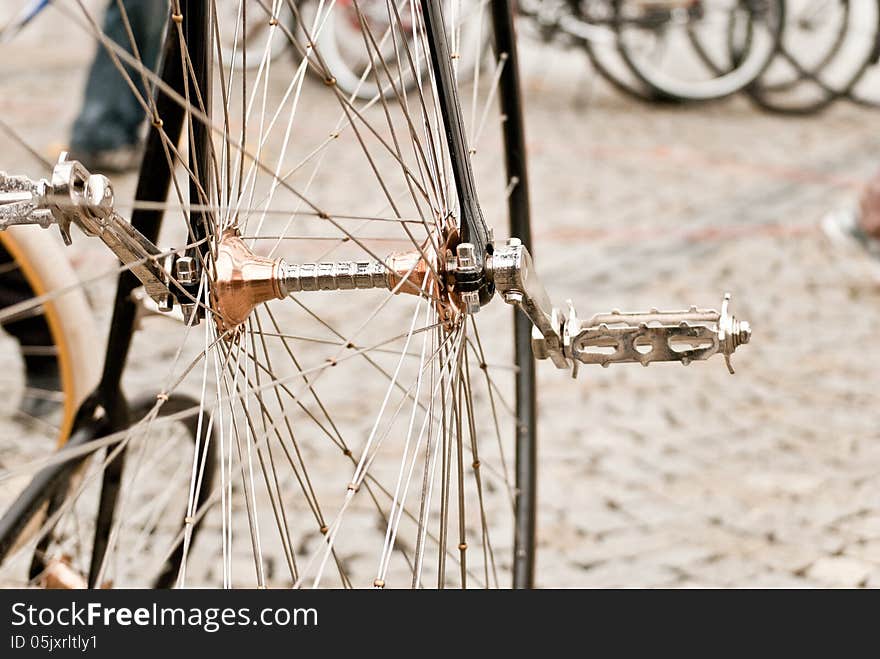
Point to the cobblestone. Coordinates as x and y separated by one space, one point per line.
721 570
840 571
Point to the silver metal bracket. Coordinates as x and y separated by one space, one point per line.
74 196
616 337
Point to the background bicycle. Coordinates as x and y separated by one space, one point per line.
792 57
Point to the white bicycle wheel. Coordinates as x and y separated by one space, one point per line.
39 258
245 48
680 49
340 40
43 262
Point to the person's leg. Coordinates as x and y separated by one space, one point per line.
111 116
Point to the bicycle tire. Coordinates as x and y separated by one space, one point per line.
721 85
632 88
166 574
46 272
767 95
598 42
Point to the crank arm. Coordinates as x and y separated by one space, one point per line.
515 280
74 196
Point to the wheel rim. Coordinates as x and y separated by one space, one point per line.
657 41
59 348
827 48
339 41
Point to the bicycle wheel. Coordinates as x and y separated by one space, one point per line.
245 49
50 323
365 437
600 46
827 47
679 49
147 547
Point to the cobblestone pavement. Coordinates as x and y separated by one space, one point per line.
672 476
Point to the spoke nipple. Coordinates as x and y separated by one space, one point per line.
471 301
605 364
615 312
684 324
379 583
645 364
686 361
655 310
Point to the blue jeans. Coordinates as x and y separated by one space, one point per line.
111 116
